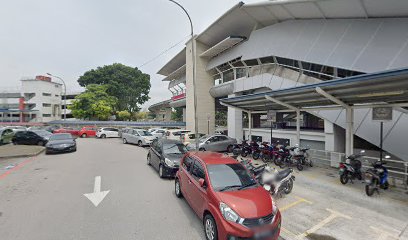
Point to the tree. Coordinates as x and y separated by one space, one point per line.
140 116
177 114
93 104
129 85
123 115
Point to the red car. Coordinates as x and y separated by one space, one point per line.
227 198
74 132
87 132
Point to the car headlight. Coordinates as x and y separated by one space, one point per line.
228 213
169 162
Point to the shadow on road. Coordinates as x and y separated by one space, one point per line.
314 236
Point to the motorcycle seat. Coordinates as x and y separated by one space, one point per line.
284 173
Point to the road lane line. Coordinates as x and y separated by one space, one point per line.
18 166
333 215
300 200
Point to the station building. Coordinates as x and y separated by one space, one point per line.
270 46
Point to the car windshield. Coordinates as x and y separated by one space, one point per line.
229 176
60 137
42 133
144 133
174 148
203 138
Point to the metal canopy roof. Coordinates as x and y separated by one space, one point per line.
175 63
241 19
388 87
178 73
220 47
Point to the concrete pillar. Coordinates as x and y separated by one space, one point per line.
234 122
250 126
298 127
184 114
167 115
349 131
203 83
329 136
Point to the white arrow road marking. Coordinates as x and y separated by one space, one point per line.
97 196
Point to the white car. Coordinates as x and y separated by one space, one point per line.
175 134
138 136
17 128
158 132
107 133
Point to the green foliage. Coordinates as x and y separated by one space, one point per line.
139 116
177 114
93 104
123 115
129 85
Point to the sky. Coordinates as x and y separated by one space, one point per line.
69 37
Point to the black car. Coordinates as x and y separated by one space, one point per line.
165 155
61 142
29 138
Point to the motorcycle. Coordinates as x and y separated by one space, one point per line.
247 149
282 156
272 180
276 182
351 168
376 177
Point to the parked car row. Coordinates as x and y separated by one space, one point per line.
231 203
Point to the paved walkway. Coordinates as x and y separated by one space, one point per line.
12 151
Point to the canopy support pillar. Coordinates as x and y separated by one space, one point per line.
297 110
349 119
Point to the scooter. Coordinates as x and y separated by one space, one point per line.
351 168
376 177
276 182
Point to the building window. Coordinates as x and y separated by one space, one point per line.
56 95
46 94
46 115
46 105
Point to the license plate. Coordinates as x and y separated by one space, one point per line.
263 234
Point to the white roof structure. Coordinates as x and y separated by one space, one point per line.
242 19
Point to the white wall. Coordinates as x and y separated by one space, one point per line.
39 87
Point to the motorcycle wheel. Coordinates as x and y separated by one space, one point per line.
299 166
369 189
310 163
344 178
265 158
289 187
244 153
255 155
278 161
235 152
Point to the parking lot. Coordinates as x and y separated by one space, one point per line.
43 198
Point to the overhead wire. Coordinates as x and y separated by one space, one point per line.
164 52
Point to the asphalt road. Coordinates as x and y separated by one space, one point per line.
43 198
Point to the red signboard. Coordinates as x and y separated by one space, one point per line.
178 97
43 78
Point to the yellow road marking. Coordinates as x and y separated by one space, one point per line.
287 232
385 235
331 217
300 200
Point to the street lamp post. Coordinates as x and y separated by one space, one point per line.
194 71
65 94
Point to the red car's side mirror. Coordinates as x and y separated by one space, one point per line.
201 182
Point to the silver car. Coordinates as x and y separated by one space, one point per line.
214 143
137 136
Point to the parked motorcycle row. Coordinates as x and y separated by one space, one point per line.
375 177
281 155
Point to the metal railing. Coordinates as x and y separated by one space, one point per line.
397 169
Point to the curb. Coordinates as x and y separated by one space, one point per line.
23 155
